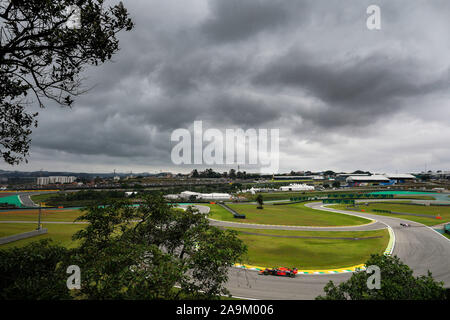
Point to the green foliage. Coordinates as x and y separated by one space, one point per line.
142 253
128 253
260 201
35 271
41 56
336 184
397 283
83 198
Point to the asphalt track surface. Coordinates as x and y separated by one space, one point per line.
25 197
418 246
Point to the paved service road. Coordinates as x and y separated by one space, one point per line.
375 225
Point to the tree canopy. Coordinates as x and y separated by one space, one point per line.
33 272
260 201
397 283
144 252
42 55
154 251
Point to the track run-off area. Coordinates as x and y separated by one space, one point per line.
418 246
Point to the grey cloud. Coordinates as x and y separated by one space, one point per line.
370 80
354 89
235 20
307 67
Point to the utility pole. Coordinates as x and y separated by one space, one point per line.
39 216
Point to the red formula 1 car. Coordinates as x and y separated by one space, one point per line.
283 272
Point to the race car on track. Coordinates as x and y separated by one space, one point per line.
283 272
404 224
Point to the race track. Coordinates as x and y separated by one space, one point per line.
418 246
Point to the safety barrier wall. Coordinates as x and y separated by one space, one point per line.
21 236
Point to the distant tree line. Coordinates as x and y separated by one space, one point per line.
232 174
84 198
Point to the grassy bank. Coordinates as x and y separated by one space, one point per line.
266 251
59 233
9 229
67 215
295 215
432 211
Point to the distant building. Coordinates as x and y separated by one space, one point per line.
207 196
296 187
400 177
343 176
283 178
41 181
373 179
254 190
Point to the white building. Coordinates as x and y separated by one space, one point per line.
254 190
55 179
296 187
376 178
209 196
400 176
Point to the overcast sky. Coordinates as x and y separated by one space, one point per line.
343 97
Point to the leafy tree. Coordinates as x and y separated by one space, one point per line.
35 271
42 54
397 283
329 173
232 174
195 173
260 201
336 184
361 172
142 253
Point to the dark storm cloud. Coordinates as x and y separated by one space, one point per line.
355 91
235 20
243 111
354 83
310 68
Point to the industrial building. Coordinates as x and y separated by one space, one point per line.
400 177
384 179
284 178
373 179
343 176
